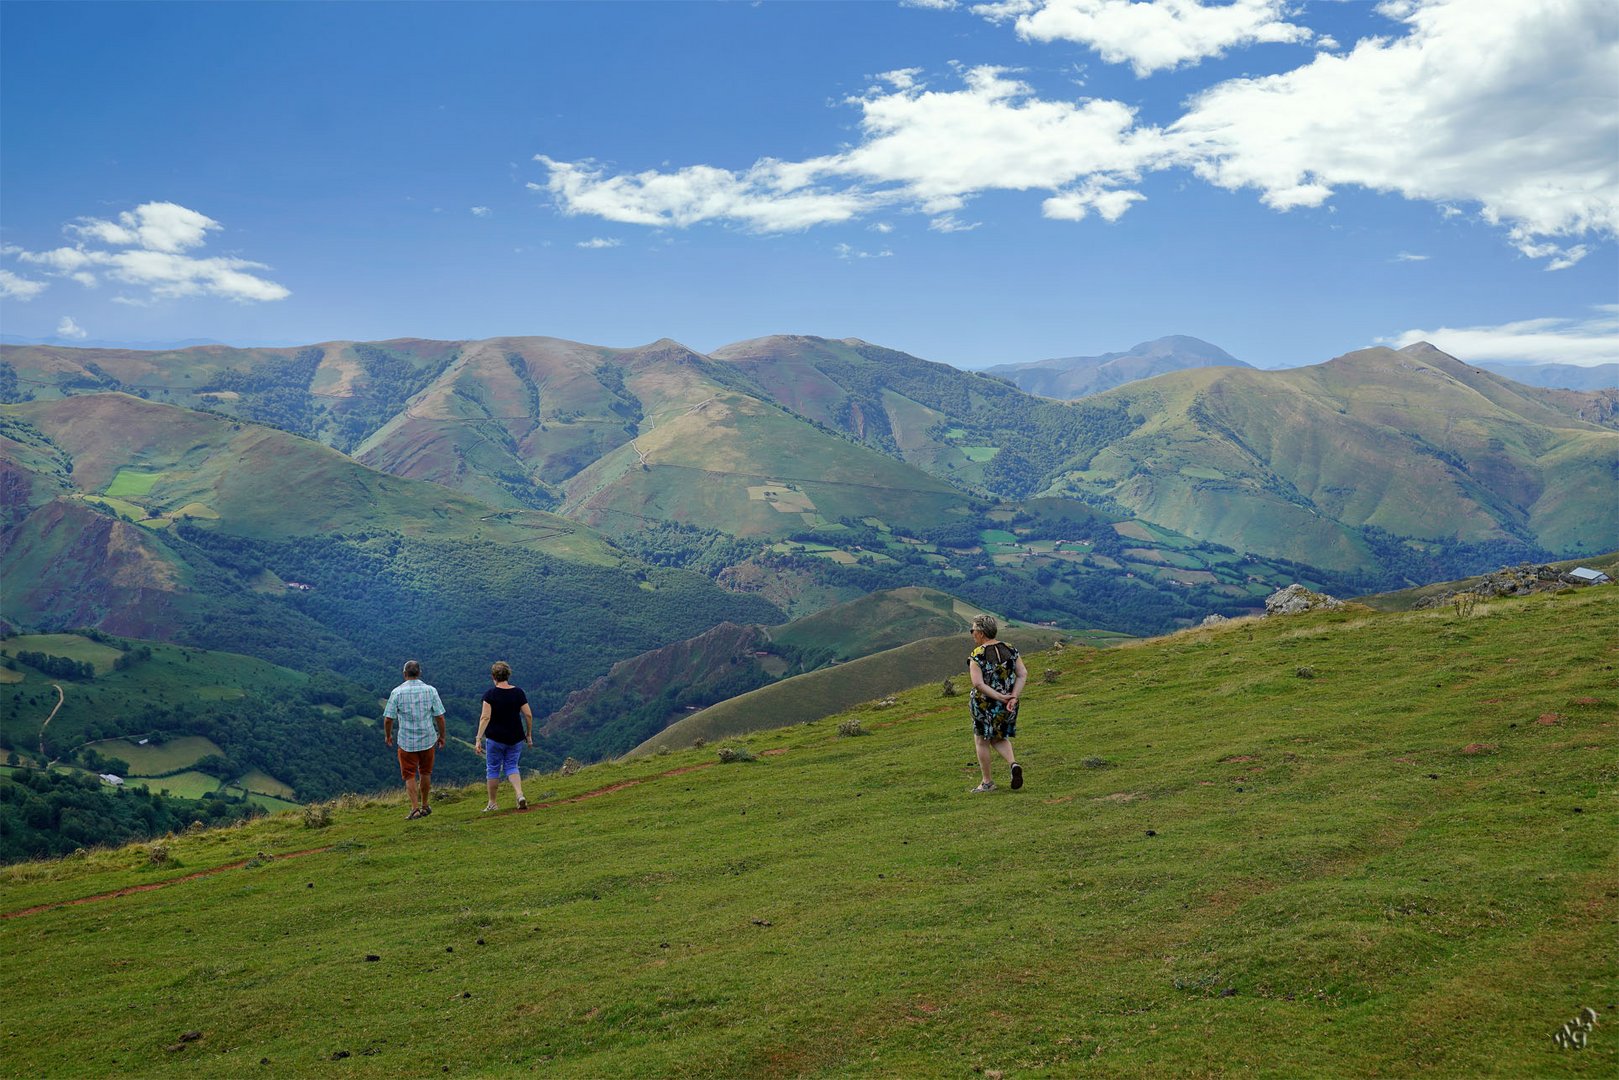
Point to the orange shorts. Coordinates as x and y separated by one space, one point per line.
412 762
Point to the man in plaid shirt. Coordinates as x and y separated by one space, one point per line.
416 708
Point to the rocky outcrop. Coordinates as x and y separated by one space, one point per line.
1524 579
1296 598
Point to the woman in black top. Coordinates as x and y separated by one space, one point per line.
506 726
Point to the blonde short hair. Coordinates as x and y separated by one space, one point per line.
500 671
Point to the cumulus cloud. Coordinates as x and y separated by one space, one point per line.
481 211
71 330
148 248
1509 106
597 243
923 150
1584 341
1504 108
15 287
1150 35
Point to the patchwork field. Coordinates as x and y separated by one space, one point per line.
153 760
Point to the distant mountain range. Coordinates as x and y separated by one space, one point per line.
1070 377
1559 376
336 507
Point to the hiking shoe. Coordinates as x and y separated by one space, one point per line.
426 810
987 785
491 808
522 804
413 815
1017 776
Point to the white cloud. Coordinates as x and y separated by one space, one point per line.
1591 340
14 287
146 247
597 243
1510 106
1150 35
882 227
949 223
71 330
923 150
845 251
1406 256
1507 108
933 5
481 211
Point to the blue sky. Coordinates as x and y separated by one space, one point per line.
974 184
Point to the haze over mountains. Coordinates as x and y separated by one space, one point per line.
1071 377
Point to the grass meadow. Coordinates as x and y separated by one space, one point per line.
1348 844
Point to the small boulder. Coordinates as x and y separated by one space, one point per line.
1296 598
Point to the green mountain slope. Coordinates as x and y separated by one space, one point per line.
642 695
1414 443
254 541
1217 868
815 695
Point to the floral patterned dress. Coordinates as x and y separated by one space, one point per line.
997 663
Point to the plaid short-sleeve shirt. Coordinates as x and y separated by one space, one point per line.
413 704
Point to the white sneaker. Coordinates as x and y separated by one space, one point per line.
490 807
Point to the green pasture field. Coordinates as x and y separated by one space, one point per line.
185 785
978 455
1400 864
136 482
178 753
71 646
263 783
9 676
997 536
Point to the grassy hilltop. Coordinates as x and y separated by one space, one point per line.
1333 844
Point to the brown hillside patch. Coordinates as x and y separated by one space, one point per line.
1548 718
1235 758
1587 700
1480 748
1119 796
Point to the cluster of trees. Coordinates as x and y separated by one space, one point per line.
391 380
10 392
688 547
44 814
57 667
275 391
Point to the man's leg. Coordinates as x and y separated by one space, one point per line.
984 757
427 787
410 789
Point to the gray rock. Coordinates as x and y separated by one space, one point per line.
1296 598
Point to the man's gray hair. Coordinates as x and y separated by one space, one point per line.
986 625
413 669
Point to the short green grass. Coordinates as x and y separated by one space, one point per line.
132 482
1219 867
186 785
154 760
70 646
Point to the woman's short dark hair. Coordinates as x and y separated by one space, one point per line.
986 625
500 671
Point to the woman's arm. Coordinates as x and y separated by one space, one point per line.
483 722
528 723
1017 687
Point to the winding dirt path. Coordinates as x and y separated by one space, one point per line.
60 697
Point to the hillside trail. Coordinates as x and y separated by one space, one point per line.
239 864
60 697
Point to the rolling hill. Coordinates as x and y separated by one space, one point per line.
1069 377
642 695
193 528
1218 867
1299 463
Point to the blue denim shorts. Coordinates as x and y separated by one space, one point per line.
500 759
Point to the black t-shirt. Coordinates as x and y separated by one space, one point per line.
505 714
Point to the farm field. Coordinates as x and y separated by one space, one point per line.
70 646
1353 873
154 760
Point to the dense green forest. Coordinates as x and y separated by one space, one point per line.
459 606
45 813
